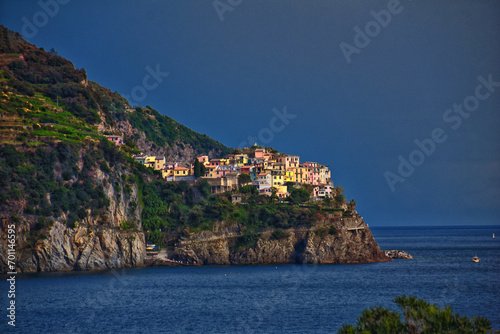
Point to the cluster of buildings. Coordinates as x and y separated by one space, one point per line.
268 172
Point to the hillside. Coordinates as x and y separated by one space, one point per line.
45 79
80 202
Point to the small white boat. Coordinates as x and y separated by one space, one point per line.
476 259
493 235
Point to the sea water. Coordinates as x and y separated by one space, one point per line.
266 299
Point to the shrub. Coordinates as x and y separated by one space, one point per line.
299 195
128 225
322 232
248 240
279 234
104 167
332 230
419 317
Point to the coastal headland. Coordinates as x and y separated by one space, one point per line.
87 181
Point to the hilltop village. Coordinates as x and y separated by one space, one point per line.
267 170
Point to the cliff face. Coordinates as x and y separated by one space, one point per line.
305 245
111 239
82 248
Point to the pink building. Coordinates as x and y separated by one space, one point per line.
218 162
259 153
289 160
322 191
117 140
203 159
313 172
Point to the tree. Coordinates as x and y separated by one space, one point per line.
203 170
197 168
249 189
327 200
299 195
244 179
340 198
419 317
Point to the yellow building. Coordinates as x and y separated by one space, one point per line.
167 172
211 171
281 191
278 167
278 178
159 163
149 161
241 159
301 175
290 175
181 171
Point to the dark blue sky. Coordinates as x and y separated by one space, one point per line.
357 110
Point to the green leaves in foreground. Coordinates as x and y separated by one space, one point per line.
419 317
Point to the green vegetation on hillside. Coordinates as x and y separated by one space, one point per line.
163 130
44 83
419 317
50 183
35 120
170 206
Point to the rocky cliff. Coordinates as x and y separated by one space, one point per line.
303 245
104 237
81 248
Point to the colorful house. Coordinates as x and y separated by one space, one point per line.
301 175
167 172
290 175
259 153
246 169
324 175
203 159
140 158
159 163
264 180
322 191
181 171
240 159
278 178
288 160
117 140
223 184
150 161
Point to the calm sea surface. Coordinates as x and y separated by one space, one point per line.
265 299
